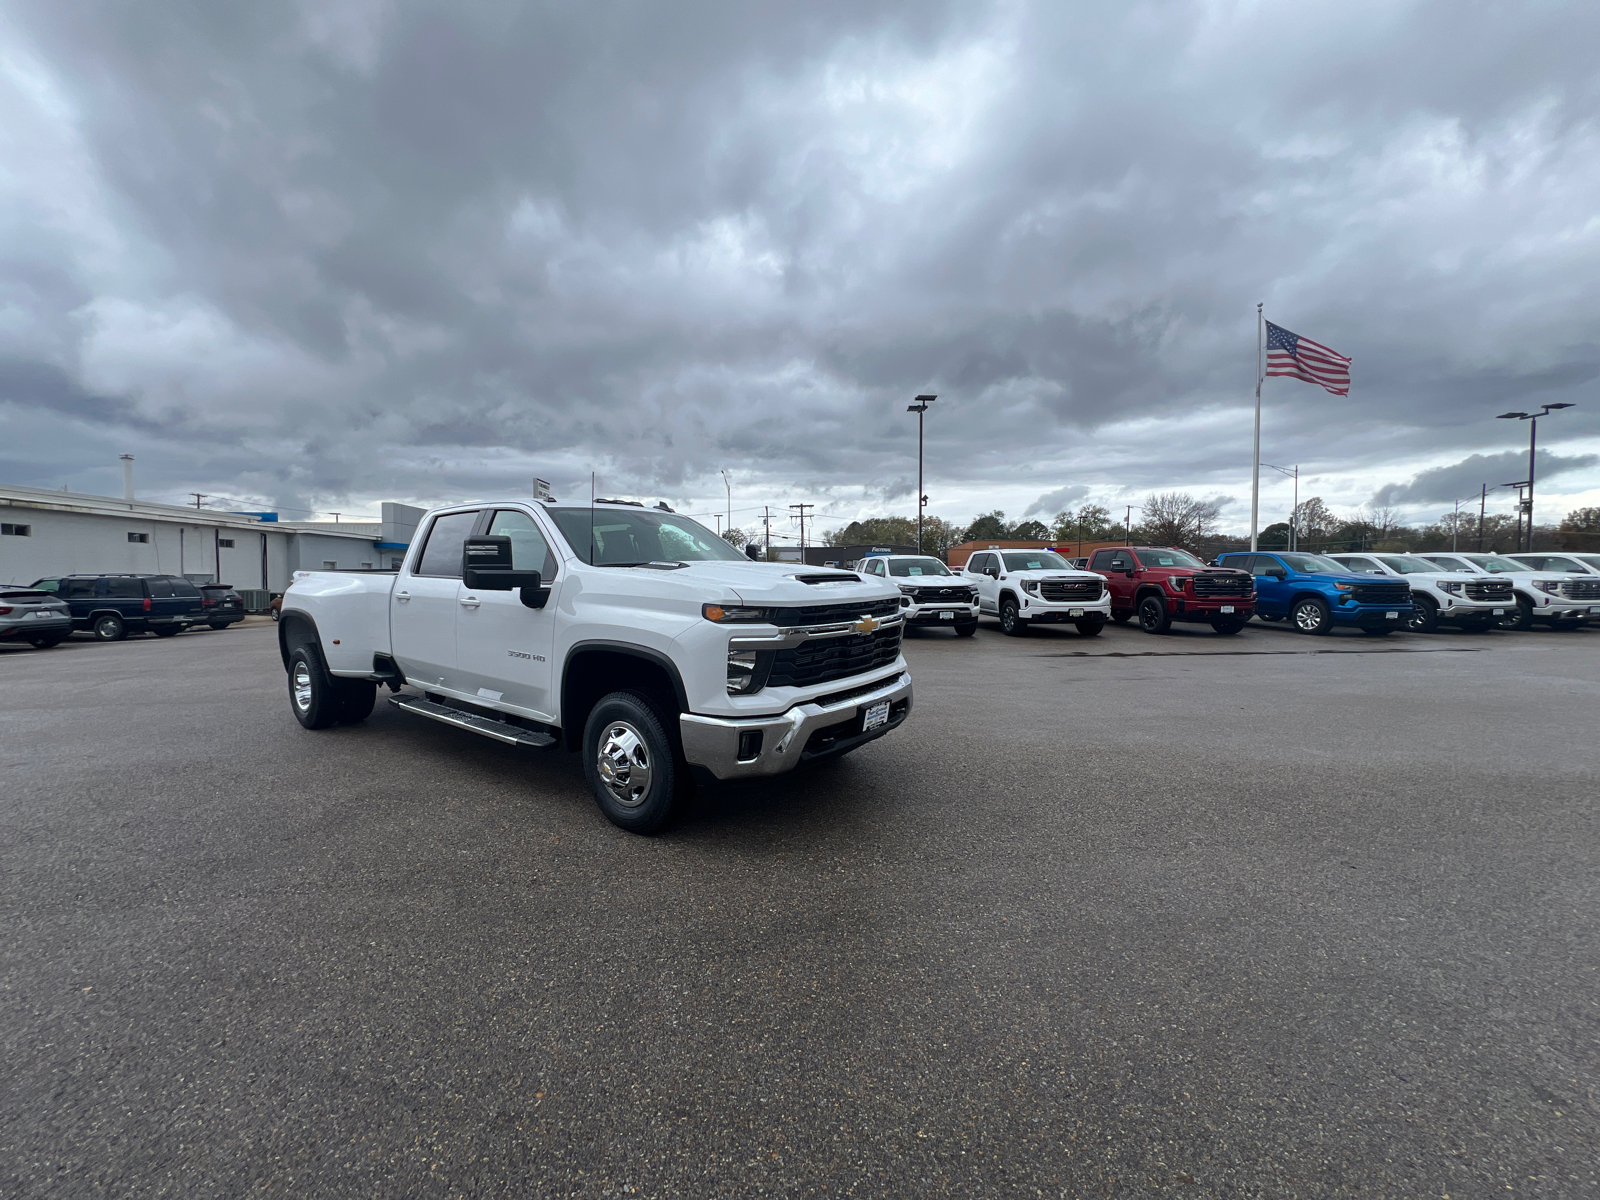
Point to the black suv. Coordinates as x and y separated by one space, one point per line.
112 606
221 605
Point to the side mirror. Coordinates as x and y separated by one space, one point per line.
1278 573
993 572
486 566
752 552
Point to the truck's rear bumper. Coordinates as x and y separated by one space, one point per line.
754 746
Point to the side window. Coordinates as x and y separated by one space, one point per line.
879 569
182 587
48 585
125 589
80 589
978 563
529 549
1101 560
1121 560
441 554
160 587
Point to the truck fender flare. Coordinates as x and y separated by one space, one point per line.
1311 595
1519 594
573 730
1147 589
1001 598
296 628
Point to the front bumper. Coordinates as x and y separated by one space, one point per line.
1044 611
27 627
1371 616
782 742
940 612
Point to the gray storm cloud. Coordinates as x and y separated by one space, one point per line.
340 251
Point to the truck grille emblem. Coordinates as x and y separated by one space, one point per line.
867 624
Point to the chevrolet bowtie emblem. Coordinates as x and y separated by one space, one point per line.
867 624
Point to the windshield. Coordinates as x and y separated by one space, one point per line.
1408 564
627 539
902 568
1034 560
1496 565
1315 564
1169 558
1592 560
1446 563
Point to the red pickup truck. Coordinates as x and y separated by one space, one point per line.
1162 585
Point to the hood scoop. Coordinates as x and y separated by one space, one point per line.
831 577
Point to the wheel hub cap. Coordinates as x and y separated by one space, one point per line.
624 764
302 687
1306 618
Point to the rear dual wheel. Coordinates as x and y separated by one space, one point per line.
321 700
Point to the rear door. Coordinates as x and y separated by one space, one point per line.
503 647
124 594
186 600
423 608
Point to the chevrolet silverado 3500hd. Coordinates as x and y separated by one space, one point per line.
633 635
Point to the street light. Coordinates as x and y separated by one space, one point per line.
1533 434
1294 513
920 407
729 486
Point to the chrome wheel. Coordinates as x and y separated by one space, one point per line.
623 761
301 686
1308 618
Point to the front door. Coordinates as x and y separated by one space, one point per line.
504 647
422 624
988 585
1115 565
1272 591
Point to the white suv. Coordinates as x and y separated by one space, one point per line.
1567 562
1563 601
930 593
1025 587
1439 597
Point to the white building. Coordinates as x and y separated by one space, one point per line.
44 533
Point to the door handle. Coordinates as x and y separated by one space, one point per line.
402 595
470 602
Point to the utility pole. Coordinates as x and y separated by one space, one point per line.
729 486
920 407
766 523
1127 528
1483 501
198 496
1533 434
802 508
718 517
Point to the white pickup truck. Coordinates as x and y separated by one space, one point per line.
633 635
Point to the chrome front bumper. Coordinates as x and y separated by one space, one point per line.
713 742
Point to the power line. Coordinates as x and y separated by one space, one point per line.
802 519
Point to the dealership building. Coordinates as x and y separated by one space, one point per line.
45 533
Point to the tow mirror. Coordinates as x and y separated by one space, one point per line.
486 566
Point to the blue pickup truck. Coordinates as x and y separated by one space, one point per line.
1317 594
113 606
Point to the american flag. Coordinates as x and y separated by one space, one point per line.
1290 354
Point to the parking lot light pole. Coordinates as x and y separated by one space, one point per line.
1294 513
1533 433
920 407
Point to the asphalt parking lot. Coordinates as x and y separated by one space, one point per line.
1262 916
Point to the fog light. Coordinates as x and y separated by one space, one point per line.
741 672
750 745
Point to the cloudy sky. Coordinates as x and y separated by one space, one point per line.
321 254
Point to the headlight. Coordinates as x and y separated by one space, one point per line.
1345 587
1031 586
1553 586
907 589
742 677
1453 586
1176 582
723 615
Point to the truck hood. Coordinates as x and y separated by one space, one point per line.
1053 573
779 584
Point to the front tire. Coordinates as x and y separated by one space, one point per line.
1522 619
1121 618
1090 628
45 641
1311 616
109 628
966 628
1261 616
1153 615
1011 622
635 775
1424 617
1227 626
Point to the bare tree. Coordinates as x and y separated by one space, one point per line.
1176 519
1314 520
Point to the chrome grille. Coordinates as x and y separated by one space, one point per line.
1063 591
822 660
1223 583
1489 589
1382 593
1581 589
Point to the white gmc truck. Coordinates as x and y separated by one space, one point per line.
633 635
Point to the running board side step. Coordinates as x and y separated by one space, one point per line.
500 731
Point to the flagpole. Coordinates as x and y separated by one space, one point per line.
1255 473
